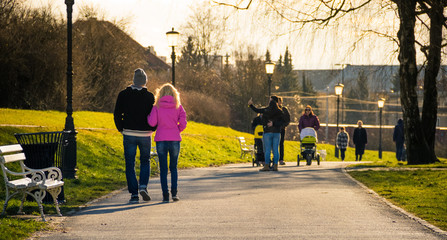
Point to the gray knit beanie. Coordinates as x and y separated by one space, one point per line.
139 77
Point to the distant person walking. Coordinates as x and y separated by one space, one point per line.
342 142
283 130
132 107
170 118
309 119
272 121
360 140
399 139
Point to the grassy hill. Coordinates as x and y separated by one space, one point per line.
100 160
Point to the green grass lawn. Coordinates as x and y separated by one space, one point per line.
421 192
100 160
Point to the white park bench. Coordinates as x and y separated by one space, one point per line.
245 148
34 182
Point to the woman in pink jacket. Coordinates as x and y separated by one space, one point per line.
170 118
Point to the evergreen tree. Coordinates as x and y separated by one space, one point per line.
190 56
279 65
362 86
308 91
355 99
288 79
267 56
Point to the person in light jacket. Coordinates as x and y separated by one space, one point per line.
170 118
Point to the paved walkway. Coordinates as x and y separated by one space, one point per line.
239 202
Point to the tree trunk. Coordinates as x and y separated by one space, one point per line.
430 107
417 147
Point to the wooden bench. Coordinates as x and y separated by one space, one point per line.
245 148
34 182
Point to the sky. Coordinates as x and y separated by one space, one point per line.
149 20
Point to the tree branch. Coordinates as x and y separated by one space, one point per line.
237 6
394 39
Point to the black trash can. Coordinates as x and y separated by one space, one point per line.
42 150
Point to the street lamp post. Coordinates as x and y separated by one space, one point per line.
69 164
172 42
269 68
338 92
344 66
380 104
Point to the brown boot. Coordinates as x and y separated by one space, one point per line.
275 167
265 168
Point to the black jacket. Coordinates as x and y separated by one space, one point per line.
132 108
398 134
271 114
360 137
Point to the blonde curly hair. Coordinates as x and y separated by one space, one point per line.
167 90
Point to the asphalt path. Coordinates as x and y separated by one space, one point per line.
239 202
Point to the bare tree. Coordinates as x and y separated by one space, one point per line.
207 30
420 141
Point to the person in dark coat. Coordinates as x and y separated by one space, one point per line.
272 121
130 115
360 140
309 119
283 129
399 139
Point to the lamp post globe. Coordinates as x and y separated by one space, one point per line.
172 37
338 93
380 104
269 69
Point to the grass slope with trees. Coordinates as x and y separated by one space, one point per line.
101 167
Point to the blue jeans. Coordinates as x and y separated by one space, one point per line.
271 143
130 151
173 148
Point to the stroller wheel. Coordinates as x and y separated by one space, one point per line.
309 159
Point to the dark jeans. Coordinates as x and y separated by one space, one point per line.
399 151
173 148
342 154
281 145
259 150
359 151
130 150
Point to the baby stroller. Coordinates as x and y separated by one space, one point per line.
308 146
259 149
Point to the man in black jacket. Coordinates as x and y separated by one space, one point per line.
283 130
132 107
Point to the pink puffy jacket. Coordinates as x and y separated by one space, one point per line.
170 121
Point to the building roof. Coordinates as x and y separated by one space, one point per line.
154 62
